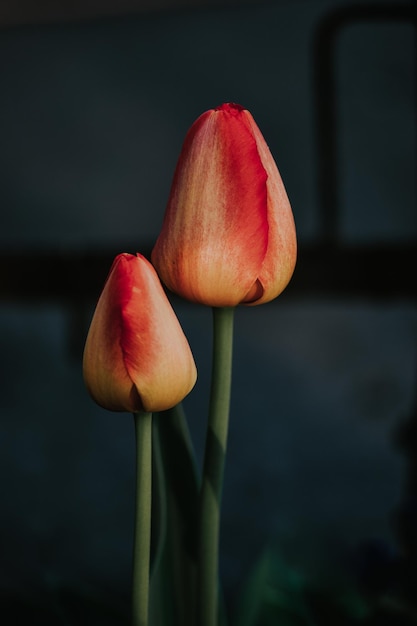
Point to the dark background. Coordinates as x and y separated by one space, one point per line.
93 110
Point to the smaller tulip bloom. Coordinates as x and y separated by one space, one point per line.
228 235
136 356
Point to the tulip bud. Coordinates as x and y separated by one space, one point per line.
136 356
228 235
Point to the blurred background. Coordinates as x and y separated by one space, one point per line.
320 498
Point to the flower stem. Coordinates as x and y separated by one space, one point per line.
142 533
213 469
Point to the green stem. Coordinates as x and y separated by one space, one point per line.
213 469
142 534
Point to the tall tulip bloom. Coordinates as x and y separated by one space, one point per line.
228 235
136 356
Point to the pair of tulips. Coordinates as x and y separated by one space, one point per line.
228 238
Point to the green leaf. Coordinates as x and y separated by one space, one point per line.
176 488
161 603
175 521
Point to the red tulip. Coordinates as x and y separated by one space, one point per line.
136 356
228 235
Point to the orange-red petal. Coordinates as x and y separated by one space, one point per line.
215 231
281 254
136 356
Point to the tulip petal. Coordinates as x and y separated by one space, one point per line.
215 231
136 357
156 352
280 258
105 374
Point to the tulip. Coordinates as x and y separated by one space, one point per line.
136 356
228 235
